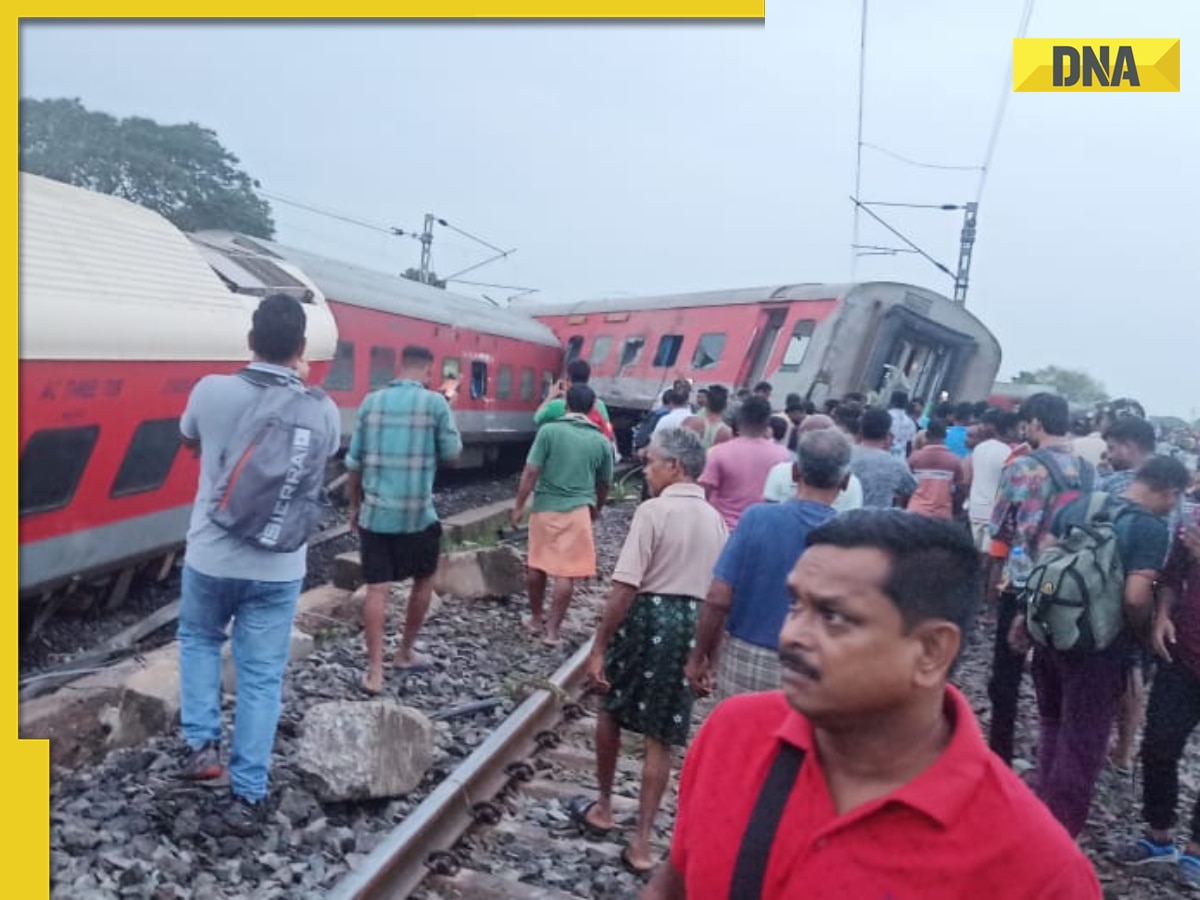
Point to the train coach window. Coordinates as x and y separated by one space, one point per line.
574 347
631 350
600 348
52 465
797 346
148 460
527 378
451 368
668 350
341 372
479 379
383 366
504 377
547 383
708 350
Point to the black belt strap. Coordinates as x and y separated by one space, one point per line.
751 866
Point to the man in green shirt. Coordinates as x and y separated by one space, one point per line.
555 405
568 472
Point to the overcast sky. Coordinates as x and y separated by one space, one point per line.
649 158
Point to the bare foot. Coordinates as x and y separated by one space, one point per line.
532 627
409 661
552 639
372 683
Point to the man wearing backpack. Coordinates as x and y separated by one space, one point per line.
404 430
246 562
1090 597
1033 485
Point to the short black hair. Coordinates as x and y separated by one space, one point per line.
667 395
578 371
277 328
936 430
416 356
779 428
876 424
1006 422
934 572
1049 409
763 387
754 414
964 412
855 397
899 400
1132 430
580 398
1164 473
718 398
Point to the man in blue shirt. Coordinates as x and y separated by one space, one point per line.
749 597
404 430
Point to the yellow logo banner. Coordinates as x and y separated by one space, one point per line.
1095 64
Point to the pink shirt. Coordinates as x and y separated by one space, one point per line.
736 472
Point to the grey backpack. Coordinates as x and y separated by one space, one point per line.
1075 593
271 483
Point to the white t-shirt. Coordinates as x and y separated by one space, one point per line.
987 461
780 487
673 419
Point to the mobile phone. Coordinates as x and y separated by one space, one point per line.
1191 514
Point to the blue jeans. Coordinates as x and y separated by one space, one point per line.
262 614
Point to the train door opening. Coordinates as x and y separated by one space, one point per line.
919 357
770 322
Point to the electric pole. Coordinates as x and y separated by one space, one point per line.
426 247
966 243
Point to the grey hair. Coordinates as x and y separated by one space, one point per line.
681 444
824 458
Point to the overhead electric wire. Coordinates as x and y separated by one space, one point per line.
917 249
342 217
914 162
1005 90
862 70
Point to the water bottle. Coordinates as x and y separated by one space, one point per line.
1019 567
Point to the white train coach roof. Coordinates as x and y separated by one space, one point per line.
358 286
102 278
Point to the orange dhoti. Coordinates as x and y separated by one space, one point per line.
561 543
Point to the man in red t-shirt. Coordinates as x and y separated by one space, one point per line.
941 476
867 775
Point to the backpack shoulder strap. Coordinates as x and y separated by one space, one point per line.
1057 475
751 866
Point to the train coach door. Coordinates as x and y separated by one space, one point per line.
762 345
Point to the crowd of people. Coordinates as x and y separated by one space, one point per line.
817 572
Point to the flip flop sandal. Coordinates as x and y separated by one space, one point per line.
414 669
578 808
630 867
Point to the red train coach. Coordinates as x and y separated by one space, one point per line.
503 360
817 340
119 317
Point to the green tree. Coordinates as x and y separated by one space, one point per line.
415 275
180 171
1074 384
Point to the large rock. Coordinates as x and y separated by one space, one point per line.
300 645
325 606
75 719
354 750
475 574
149 703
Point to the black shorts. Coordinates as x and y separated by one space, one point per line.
395 557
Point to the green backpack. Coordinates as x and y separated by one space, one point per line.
1075 593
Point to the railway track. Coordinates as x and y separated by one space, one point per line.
497 826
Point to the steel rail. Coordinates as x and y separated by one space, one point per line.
396 866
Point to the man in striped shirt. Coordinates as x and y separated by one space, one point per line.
404 430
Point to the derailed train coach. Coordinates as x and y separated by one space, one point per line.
816 340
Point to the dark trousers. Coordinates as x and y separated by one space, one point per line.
1171 716
1077 695
1004 686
